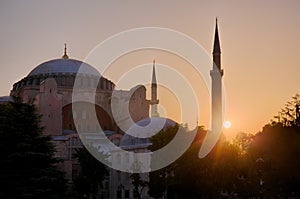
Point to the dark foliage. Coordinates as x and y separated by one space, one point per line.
27 168
264 165
92 173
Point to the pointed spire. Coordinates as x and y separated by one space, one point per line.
217 48
153 73
154 101
65 56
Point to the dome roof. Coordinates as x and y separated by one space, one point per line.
129 141
63 66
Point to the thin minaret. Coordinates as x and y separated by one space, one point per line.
154 101
65 56
216 76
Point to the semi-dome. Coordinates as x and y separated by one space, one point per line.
63 66
130 142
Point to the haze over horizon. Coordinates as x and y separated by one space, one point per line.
259 44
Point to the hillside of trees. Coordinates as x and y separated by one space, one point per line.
264 165
261 165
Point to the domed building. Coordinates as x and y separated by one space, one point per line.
50 85
120 182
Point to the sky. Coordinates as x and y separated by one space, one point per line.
259 42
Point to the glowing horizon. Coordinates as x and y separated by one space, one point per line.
259 43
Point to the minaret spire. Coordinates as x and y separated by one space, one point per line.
65 56
153 73
217 50
154 101
216 76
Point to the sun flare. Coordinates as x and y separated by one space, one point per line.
227 124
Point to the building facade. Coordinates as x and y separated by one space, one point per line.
50 86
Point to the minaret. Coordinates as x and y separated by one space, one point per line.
216 76
154 101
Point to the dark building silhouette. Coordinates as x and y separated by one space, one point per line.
154 101
216 76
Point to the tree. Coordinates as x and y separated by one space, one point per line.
160 180
290 114
242 141
137 181
27 168
139 184
190 177
92 173
278 145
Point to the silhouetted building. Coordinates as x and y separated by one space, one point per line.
154 101
216 75
50 85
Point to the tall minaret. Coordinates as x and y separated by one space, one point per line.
216 76
154 101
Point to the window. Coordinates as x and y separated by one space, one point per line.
63 81
127 193
116 141
75 173
119 194
119 176
73 154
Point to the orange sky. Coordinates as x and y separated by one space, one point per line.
259 41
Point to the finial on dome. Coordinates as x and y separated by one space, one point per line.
65 56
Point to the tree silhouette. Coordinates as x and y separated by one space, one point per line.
92 173
160 180
278 145
27 168
290 114
264 165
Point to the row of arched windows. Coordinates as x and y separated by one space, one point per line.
67 81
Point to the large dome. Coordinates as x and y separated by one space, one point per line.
65 71
63 66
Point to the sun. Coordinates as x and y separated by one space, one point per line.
227 124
